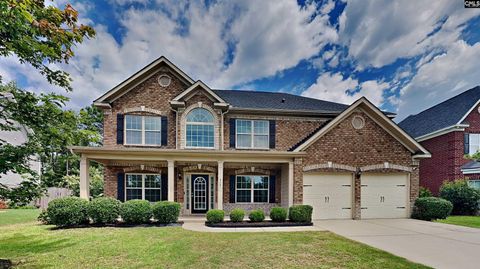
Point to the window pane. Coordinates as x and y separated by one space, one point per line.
134 194
153 123
152 195
200 136
152 181
200 115
260 196
261 141
244 141
244 182
261 127
134 137
134 181
474 184
260 182
133 122
153 138
243 196
244 126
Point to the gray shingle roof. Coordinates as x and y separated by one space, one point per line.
441 116
273 100
471 165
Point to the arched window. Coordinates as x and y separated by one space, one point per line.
200 125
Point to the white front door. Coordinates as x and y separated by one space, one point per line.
330 195
384 196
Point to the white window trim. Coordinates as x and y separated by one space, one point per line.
143 131
252 189
473 180
199 123
143 184
470 143
252 134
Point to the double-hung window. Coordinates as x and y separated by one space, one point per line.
252 189
474 143
252 134
143 186
143 130
199 132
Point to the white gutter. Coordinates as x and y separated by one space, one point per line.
453 128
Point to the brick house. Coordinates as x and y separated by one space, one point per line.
168 137
449 131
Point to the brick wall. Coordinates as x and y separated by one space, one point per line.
447 155
349 146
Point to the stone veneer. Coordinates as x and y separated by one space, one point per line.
266 207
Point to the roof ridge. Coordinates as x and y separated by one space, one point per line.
449 99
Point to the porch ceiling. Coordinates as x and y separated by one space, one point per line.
104 154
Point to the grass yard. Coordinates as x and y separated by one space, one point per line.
14 216
469 221
31 245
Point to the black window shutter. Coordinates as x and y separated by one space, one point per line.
232 132
121 187
466 143
272 134
232 189
164 187
120 118
272 189
164 131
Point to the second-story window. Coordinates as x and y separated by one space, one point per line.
252 134
143 130
200 125
474 143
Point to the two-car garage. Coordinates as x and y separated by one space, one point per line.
382 195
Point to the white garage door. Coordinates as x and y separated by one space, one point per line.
329 194
384 196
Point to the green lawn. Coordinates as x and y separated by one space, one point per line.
31 245
469 221
13 216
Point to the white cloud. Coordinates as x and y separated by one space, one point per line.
378 32
334 87
267 37
446 75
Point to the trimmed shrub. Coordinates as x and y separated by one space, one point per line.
237 215
424 192
278 214
300 213
136 211
68 211
215 215
43 217
104 210
464 198
166 212
431 208
256 215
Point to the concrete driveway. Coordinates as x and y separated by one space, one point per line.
433 244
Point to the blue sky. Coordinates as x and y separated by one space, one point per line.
404 56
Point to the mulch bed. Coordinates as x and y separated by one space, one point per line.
120 225
249 224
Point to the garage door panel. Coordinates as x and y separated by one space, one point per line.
330 195
384 196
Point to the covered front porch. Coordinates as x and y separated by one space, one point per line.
198 180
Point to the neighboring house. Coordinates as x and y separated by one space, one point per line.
449 131
168 137
17 137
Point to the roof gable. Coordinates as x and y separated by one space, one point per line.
449 113
380 118
139 77
199 84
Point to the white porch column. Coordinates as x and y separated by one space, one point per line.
290 184
171 180
220 186
84 177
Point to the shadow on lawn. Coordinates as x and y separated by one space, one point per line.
21 245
